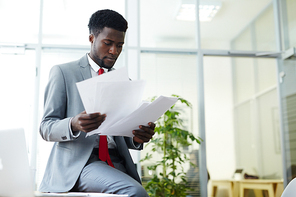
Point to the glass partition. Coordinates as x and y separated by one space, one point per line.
256 117
68 24
243 78
168 74
253 29
287 79
288 100
218 95
242 118
19 21
17 85
266 73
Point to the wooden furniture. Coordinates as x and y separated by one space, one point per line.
240 188
272 187
232 187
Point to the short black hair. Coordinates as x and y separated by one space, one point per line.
106 18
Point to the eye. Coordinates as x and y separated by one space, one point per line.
107 43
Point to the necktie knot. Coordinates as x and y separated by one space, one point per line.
101 71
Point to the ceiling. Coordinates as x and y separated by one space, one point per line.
158 21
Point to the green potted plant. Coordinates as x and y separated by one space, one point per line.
169 140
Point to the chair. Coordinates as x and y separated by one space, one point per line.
290 189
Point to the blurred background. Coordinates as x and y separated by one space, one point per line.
232 59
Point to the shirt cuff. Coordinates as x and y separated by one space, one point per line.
73 135
136 144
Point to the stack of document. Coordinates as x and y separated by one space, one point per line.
120 99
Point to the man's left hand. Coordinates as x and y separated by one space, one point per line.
145 133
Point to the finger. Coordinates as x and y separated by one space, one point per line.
90 127
85 122
152 125
140 140
142 135
91 116
136 139
146 129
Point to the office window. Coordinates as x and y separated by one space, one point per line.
245 139
168 74
241 115
257 133
17 85
65 22
243 79
269 139
266 73
256 117
218 96
19 21
252 76
287 71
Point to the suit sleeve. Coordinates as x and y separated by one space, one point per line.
55 125
132 145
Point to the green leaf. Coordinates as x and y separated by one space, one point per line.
168 141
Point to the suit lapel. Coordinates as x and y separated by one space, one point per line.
84 67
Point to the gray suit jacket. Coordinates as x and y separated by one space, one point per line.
69 155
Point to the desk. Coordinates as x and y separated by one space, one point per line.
273 188
240 188
232 187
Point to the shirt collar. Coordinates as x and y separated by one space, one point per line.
94 65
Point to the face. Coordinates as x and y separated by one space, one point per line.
106 47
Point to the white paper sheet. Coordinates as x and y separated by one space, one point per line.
87 88
119 98
141 116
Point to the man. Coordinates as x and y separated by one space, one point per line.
74 163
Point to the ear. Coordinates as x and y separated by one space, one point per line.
91 38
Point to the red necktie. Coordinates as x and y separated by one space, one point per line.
103 144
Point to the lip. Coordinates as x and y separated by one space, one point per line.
110 59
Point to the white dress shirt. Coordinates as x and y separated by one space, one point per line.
94 72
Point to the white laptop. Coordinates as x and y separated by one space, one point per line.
15 173
15 178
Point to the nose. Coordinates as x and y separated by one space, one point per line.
113 50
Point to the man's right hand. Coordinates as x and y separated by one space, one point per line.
87 122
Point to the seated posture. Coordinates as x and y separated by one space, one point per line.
77 162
